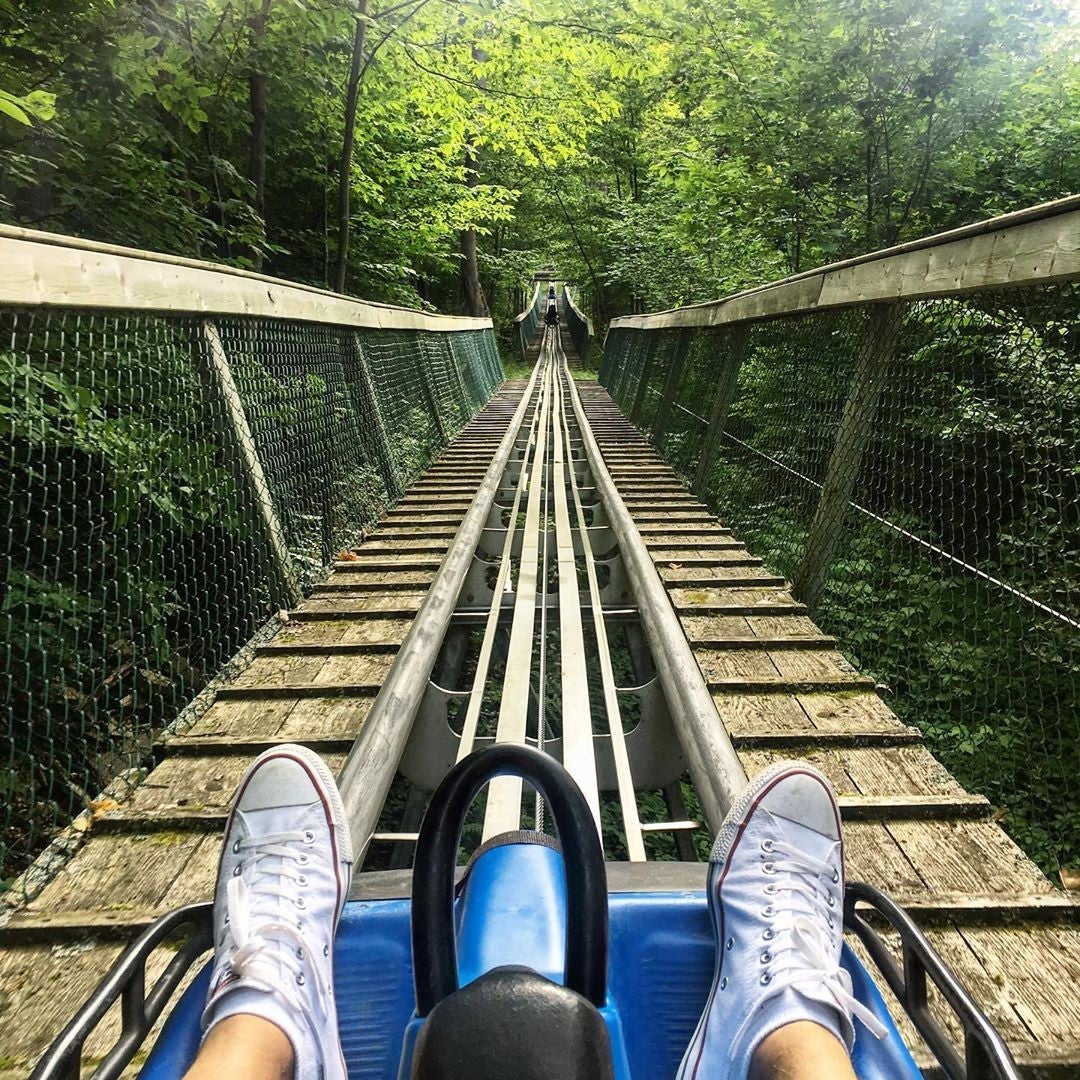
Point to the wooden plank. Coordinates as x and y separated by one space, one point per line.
898 809
244 719
814 665
772 601
704 628
50 270
209 745
781 685
342 607
372 631
365 563
914 769
873 771
872 854
849 711
272 691
326 717
799 743
187 784
694 554
719 665
767 645
770 626
677 575
43 986
750 713
115 873
304 670
986 909
370 580
967 856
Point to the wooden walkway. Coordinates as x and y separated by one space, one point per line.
780 685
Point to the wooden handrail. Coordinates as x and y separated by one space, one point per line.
47 270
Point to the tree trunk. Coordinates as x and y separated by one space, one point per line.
257 97
473 292
352 97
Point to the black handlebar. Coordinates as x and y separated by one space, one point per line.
434 945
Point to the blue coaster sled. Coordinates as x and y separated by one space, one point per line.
531 966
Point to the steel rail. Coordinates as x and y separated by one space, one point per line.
579 750
632 828
503 810
541 674
491 624
369 769
715 769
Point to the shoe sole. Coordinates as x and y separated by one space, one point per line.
734 822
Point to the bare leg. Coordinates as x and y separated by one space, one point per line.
801 1051
244 1047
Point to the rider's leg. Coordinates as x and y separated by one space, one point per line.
781 1004
284 875
801 1051
244 1047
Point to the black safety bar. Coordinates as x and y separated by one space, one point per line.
434 943
126 980
986 1057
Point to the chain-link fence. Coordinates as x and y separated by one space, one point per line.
170 483
529 320
914 469
579 325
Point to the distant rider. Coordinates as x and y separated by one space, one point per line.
551 316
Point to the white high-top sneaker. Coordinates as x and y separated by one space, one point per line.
776 895
286 865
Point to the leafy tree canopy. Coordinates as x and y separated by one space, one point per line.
657 152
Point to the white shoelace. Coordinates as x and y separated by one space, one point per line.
801 956
265 943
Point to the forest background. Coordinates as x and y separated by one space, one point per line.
435 152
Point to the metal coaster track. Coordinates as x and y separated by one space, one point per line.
553 525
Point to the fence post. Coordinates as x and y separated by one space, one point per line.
671 387
221 378
738 339
466 401
423 370
384 458
649 345
877 346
